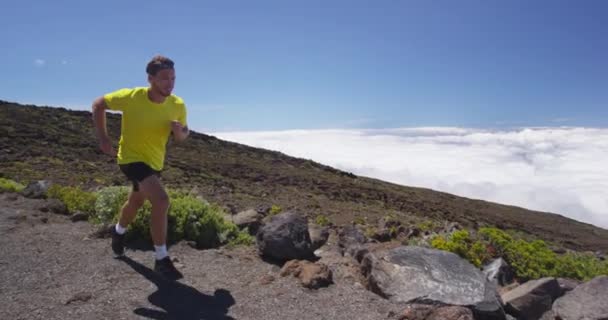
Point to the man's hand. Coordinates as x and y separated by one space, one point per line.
176 126
99 120
180 133
106 146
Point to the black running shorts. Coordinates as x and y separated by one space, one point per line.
137 172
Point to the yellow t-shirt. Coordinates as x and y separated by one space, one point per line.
145 125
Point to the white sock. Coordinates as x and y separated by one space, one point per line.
119 229
161 252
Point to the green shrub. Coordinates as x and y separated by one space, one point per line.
74 198
360 220
499 239
189 218
322 220
580 266
393 231
275 209
370 231
209 229
533 259
425 226
242 238
461 244
7 185
109 203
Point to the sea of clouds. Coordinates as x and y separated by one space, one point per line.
558 170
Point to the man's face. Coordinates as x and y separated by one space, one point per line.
163 81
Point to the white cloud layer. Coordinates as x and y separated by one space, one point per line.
559 170
39 62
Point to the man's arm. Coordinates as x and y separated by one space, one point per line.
99 120
180 132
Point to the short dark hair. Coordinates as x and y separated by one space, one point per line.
158 63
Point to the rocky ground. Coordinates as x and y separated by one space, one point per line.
53 268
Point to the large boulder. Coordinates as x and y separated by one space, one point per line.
532 299
420 275
499 272
587 301
36 190
285 237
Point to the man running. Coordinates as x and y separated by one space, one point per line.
149 116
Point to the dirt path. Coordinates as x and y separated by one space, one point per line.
51 269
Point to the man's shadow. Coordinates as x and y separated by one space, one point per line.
180 301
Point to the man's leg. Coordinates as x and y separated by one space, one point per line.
129 209
127 214
154 191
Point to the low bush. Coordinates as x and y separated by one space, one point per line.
189 218
109 202
74 198
529 259
275 209
322 220
460 243
427 225
8 185
534 259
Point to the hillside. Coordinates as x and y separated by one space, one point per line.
59 145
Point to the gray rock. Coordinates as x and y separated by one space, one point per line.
451 227
412 233
312 275
285 237
549 315
318 235
248 219
531 299
499 272
388 228
381 235
416 311
587 301
81 296
451 313
567 284
36 190
79 216
350 241
420 275
54 206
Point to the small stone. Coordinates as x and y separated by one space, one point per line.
79 216
82 296
267 279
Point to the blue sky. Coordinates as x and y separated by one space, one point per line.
274 65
